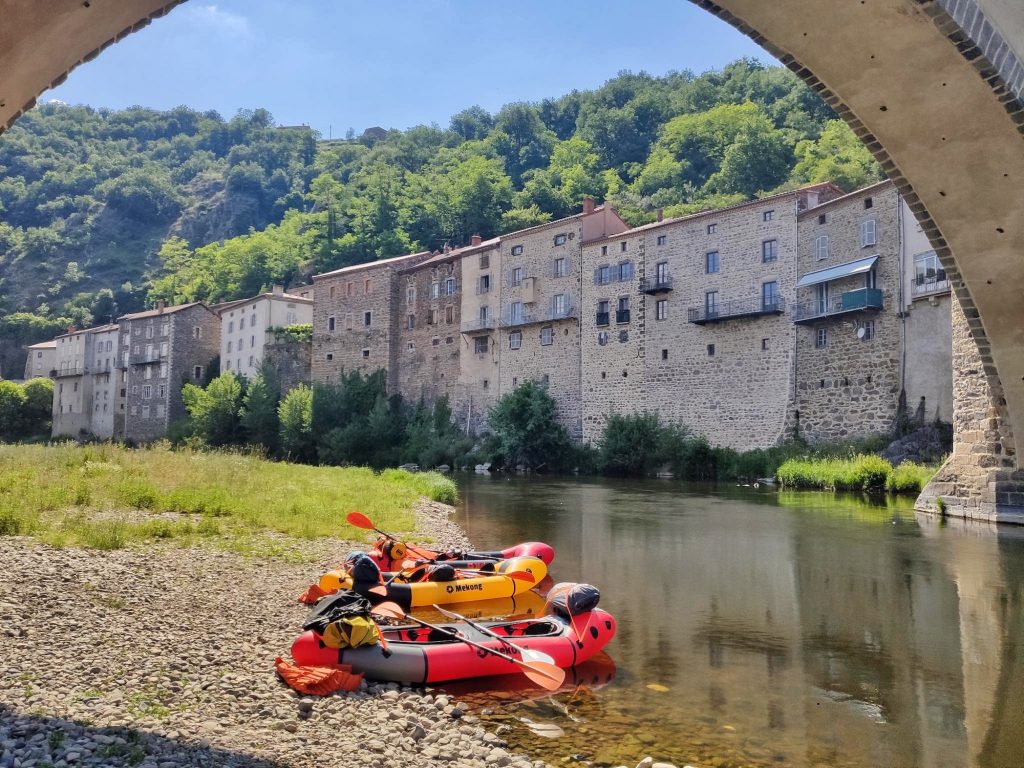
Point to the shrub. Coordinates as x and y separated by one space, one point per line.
632 445
137 493
909 478
526 431
296 415
861 473
13 402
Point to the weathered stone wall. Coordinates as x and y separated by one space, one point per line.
980 480
291 360
346 295
478 386
849 388
428 351
929 367
556 364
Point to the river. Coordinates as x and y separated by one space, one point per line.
766 628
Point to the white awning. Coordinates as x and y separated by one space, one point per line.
858 267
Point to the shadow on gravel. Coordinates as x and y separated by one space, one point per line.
56 741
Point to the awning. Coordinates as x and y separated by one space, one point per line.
858 267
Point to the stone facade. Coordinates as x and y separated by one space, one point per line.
850 332
40 360
291 361
106 380
355 319
478 387
428 342
160 351
244 327
72 385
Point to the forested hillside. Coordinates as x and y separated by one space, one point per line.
101 211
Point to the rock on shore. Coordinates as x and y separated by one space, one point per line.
163 657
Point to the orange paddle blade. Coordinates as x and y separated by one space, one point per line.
520 576
359 520
380 589
547 676
389 610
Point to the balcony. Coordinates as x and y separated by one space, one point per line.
100 370
478 325
564 313
67 370
656 284
143 358
754 306
621 316
861 300
925 285
602 318
523 318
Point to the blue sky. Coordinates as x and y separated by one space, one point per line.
335 64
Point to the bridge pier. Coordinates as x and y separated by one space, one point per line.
981 479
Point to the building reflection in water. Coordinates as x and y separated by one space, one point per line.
791 628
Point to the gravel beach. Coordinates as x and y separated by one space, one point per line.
163 657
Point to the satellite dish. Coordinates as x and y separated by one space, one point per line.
860 332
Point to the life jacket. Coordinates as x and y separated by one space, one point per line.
393 551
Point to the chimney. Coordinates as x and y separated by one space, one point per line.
588 206
278 290
475 239
661 214
160 305
72 329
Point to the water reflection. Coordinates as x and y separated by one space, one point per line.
759 628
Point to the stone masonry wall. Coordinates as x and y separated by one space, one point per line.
291 360
849 388
428 352
477 389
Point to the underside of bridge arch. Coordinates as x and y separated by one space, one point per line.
932 86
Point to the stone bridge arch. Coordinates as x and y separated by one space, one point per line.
935 88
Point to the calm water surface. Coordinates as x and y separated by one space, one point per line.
776 629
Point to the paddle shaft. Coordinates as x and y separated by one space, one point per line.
490 633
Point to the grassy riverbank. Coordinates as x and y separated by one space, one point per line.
107 497
858 473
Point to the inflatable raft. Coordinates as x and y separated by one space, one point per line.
419 655
462 589
393 555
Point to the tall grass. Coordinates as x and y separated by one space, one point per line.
858 473
105 496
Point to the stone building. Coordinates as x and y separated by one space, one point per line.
848 314
85 396
429 314
160 351
245 327
41 359
355 319
686 318
478 386
107 405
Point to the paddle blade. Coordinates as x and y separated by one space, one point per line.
547 676
531 655
520 576
359 520
380 589
389 610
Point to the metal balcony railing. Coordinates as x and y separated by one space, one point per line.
925 284
101 369
861 300
622 316
478 324
752 306
523 318
67 370
144 358
656 284
560 314
602 318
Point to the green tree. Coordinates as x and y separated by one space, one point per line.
837 156
259 416
526 431
13 402
38 407
296 416
215 411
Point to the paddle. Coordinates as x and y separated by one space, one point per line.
382 588
359 520
547 676
526 653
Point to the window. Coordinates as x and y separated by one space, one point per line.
664 354
661 309
480 344
449 314
147 391
485 313
517 250
135 389
332 291
822 219
821 337
228 365
163 370
868 203
435 290
547 336
560 269
348 322
770 296
604 275
485 260
231 326
767 215
560 239
149 330
604 250
410 295
928 273
449 286
868 328
622 246
560 305
197 373
330 356
712 228
241 323
145 411
410 322
711 262
367 318
515 340
197 332
711 350
160 411
163 349
821 246
138 330
769 251
661 272
134 410
764 344
662 239
516 313
622 310
349 289
484 284
229 346
517 276
486 383
867 233
366 353
432 317
711 304
367 287
625 271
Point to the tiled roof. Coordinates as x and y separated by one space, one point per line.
164 311
52 344
848 196
370 264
